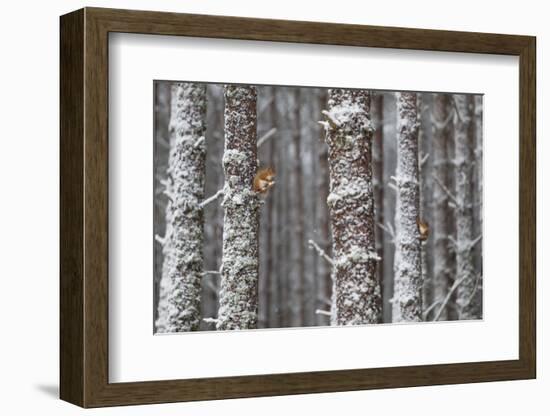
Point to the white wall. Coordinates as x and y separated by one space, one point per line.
29 210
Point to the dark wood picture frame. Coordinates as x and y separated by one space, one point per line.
84 207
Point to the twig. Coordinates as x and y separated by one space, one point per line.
211 199
432 306
387 228
160 240
212 272
322 312
446 190
447 298
478 278
455 105
321 252
424 159
198 142
475 241
266 136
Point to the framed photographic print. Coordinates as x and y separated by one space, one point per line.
255 207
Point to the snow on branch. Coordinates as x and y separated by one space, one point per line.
211 272
160 240
331 120
320 251
211 198
322 312
266 137
210 320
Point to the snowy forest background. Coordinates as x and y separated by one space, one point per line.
399 239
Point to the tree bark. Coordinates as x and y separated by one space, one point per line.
468 296
239 277
297 211
356 291
441 127
180 290
407 298
378 179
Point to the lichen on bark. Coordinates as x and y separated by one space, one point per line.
239 273
180 287
356 290
407 298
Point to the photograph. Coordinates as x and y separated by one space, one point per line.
303 206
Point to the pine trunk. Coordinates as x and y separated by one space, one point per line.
407 298
468 296
441 226
180 290
240 258
356 291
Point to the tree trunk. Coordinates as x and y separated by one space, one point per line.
468 296
351 205
179 304
239 278
407 298
378 179
425 166
297 210
441 227
161 153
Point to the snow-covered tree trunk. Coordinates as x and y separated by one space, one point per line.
441 128
407 297
239 273
468 296
180 289
356 290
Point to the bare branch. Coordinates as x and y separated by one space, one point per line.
446 190
321 252
266 136
199 142
211 199
447 298
387 228
475 241
430 308
424 159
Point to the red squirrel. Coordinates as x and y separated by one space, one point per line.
264 180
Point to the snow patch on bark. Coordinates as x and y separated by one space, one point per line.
356 292
407 298
239 272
